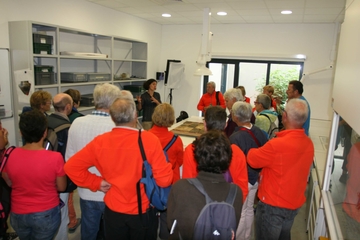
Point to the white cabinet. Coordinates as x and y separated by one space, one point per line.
63 58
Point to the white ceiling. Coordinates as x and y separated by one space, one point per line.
238 11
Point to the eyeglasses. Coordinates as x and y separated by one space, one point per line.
256 102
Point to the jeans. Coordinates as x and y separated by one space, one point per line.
243 231
91 213
36 226
273 223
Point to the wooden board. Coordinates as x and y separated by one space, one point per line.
189 128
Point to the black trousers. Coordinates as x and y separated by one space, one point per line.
131 227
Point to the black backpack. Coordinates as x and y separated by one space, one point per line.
217 220
51 143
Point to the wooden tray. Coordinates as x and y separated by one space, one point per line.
189 128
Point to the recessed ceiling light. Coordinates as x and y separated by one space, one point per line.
286 12
166 15
222 13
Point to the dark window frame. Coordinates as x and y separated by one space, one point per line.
237 62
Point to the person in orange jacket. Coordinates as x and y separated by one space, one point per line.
285 161
116 154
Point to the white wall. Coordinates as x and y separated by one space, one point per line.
183 42
316 41
346 85
80 14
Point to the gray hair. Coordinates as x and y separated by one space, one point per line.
125 94
211 83
297 111
105 94
122 111
234 93
264 100
242 111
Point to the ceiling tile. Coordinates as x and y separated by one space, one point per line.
217 6
111 4
277 11
251 12
239 11
324 11
247 4
320 18
192 13
129 10
230 19
325 3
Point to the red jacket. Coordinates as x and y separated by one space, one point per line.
238 167
351 204
285 162
175 152
117 156
210 99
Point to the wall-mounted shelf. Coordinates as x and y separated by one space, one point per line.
39 44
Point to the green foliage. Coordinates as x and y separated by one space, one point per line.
279 79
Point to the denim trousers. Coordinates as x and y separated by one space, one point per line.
91 214
273 223
36 226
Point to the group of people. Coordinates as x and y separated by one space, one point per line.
277 169
100 153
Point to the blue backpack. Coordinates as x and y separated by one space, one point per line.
157 196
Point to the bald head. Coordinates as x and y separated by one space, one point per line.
63 103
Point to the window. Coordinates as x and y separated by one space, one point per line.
253 75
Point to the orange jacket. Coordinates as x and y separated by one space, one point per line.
285 162
238 167
210 99
175 152
117 156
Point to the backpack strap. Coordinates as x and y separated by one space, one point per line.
229 199
200 187
232 194
265 115
62 127
141 149
217 98
251 134
143 175
5 157
173 139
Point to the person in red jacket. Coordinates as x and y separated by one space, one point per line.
215 119
285 161
164 117
116 154
269 90
211 98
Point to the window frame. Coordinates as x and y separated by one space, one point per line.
237 62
